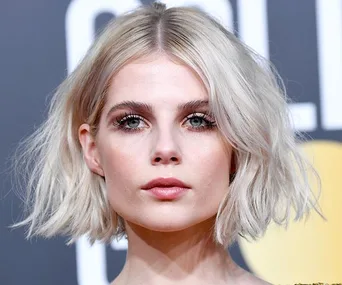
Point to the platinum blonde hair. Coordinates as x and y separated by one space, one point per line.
245 95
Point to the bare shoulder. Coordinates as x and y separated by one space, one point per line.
253 280
247 278
258 281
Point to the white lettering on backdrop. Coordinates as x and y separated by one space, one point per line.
329 39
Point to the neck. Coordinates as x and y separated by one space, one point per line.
189 256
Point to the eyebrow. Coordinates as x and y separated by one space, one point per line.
148 109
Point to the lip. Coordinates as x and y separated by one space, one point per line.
166 188
164 183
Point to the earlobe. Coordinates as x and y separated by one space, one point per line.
89 149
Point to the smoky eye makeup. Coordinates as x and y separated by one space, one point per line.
133 116
130 122
200 121
134 122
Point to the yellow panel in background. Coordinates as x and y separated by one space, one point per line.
311 251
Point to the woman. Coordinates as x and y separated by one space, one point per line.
174 134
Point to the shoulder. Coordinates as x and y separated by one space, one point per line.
253 280
247 278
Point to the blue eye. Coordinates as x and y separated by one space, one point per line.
130 122
135 123
200 121
197 122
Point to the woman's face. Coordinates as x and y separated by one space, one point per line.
156 124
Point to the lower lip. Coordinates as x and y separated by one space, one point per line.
167 193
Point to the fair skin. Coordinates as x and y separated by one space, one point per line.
170 241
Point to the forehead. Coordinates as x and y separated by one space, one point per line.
156 80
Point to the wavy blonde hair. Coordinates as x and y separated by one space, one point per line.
246 97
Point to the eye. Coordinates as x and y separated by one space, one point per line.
130 122
199 121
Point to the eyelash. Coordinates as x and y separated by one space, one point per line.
123 119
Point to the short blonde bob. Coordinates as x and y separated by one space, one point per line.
246 97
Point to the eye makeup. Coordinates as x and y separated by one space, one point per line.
132 122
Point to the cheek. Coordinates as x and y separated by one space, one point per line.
210 167
213 161
121 168
119 162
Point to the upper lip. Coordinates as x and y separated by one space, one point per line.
164 182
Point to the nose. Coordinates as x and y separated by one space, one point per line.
166 149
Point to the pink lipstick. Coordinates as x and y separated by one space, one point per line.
166 188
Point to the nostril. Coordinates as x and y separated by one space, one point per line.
160 159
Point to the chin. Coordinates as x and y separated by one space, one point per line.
166 227
171 221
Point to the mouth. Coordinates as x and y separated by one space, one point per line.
166 188
164 183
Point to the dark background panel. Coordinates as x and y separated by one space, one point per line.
292 33
33 63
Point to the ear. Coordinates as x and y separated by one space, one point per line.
89 148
